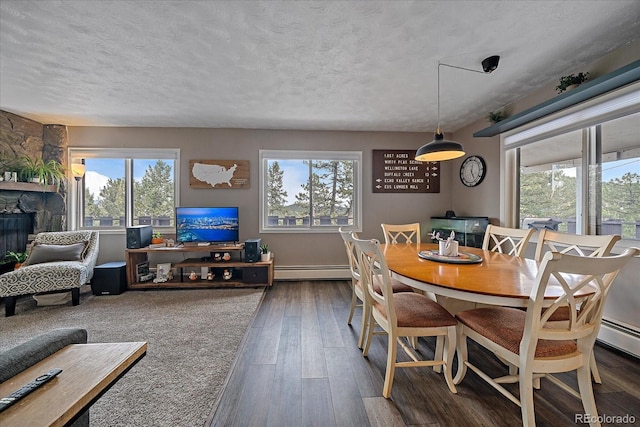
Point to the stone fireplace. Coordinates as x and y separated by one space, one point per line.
27 208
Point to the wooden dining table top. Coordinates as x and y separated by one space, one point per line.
499 279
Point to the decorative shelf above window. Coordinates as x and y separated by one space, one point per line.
622 76
27 186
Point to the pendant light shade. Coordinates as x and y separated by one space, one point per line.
439 149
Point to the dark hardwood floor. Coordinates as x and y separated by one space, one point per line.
300 366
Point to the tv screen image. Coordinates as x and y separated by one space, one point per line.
207 225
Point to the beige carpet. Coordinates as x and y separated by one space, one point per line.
192 335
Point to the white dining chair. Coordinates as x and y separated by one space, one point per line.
403 314
537 347
401 233
511 241
578 244
408 234
358 292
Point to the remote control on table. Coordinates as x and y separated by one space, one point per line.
5 402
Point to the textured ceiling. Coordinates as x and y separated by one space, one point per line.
344 65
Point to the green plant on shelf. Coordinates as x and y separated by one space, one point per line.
264 249
496 116
570 80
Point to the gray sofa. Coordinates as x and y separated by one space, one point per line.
21 357
58 261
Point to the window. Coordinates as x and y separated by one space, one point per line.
579 172
310 191
125 187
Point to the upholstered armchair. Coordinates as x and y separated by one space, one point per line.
58 261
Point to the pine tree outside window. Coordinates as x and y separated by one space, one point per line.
126 187
580 168
310 191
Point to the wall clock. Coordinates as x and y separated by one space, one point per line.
472 171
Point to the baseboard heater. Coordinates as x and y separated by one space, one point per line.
311 272
620 336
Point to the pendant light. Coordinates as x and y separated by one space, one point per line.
441 149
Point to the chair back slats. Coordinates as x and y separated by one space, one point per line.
401 233
348 238
512 241
578 244
574 273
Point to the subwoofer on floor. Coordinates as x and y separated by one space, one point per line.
252 250
139 236
109 278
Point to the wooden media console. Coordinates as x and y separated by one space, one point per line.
249 274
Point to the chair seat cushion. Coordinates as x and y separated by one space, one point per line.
505 327
562 313
415 310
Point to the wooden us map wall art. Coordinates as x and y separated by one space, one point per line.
219 173
395 171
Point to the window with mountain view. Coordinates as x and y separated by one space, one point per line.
309 191
135 188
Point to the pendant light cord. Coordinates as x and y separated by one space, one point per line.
438 128
459 68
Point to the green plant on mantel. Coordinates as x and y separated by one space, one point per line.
570 80
50 172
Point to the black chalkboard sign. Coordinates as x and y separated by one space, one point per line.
395 171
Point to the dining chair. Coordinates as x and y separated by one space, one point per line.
532 343
358 293
408 234
401 233
510 241
403 314
579 244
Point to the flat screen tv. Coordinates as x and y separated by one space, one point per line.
207 225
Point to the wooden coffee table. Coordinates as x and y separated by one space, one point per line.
88 371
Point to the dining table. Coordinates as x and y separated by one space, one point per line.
475 276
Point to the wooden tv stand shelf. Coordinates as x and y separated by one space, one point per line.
249 274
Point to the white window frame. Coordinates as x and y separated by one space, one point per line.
610 106
76 154
356 156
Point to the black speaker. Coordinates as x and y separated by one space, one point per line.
109 279
139 236
255 275
252 250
